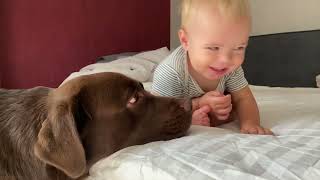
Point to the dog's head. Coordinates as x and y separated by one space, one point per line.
93 116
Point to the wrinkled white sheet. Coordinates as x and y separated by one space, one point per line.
222 153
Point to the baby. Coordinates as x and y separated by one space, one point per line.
214 35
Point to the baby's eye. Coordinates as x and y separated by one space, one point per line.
214 48
240 48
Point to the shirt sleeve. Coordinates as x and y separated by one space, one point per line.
236 80
166 82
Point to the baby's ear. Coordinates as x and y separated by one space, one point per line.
183 37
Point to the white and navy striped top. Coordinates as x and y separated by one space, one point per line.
171 78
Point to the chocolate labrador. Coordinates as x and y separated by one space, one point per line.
59 133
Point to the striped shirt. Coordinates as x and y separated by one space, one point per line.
171 78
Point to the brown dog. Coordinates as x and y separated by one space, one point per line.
59 133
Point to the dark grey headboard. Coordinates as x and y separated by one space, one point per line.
285 60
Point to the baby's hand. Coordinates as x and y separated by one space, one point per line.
201 117
220 104
256 129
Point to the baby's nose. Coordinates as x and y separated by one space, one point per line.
225 57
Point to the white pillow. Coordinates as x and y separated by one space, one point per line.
318 80
155 56
140 66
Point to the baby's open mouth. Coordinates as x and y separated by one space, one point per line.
219 70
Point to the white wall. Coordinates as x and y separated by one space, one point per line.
276 16
174 24
268 17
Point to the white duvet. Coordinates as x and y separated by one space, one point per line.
222 153
293 114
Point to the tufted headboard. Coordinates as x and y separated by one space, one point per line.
285 59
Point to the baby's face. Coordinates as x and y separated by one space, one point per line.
215 44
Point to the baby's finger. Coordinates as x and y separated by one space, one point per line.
268 132
253 131
222 106
244 131
226 98
223 111
205 121
223 117
215 93
223 100
261 131
204 109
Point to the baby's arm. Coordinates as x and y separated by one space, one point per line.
247 110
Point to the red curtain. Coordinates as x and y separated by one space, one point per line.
43 41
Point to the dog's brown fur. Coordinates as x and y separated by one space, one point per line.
59 133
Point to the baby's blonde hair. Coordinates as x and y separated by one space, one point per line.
232 8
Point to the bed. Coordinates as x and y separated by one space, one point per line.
291 111
222 153
283 70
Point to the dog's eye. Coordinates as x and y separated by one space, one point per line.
141 85
134 99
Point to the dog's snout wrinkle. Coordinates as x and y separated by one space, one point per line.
186 104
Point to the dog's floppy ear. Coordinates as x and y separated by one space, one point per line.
58 141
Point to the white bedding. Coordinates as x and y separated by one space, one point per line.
223 153
139 66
